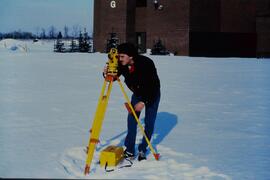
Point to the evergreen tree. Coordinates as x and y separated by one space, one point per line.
84 44
59 45
113 42
159 49
73 46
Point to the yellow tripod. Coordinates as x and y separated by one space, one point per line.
102 106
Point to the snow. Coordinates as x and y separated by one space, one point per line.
213 120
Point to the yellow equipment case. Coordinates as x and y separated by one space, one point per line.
111 156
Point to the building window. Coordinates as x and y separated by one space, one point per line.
156 4
141 41
141 3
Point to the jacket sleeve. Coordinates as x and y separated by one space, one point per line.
150 83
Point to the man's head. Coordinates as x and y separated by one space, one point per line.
127 53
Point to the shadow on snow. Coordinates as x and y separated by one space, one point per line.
164 124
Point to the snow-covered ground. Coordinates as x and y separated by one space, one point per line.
213 120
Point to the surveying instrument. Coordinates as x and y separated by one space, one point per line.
111 76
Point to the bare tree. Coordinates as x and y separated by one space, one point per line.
66 29
75 29
52 31
37 32
43 33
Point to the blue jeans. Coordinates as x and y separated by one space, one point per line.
149 120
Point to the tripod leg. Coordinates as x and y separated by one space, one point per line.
97 123
156 155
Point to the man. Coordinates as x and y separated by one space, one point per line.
141 78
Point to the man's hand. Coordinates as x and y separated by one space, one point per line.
139 106
105 70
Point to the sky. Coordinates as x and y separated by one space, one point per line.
33 15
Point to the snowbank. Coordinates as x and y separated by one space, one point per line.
13 45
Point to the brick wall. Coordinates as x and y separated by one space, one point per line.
108 19
204 15
263 28
171 25
238 16
188 27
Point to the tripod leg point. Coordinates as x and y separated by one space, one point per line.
86 169
157 156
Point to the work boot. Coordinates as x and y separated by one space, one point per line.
141 156
128 155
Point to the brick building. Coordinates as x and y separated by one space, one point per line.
187 27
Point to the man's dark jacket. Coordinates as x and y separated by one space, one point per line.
142 79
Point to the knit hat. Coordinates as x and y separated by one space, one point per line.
127 48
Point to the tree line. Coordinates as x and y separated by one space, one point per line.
42 33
